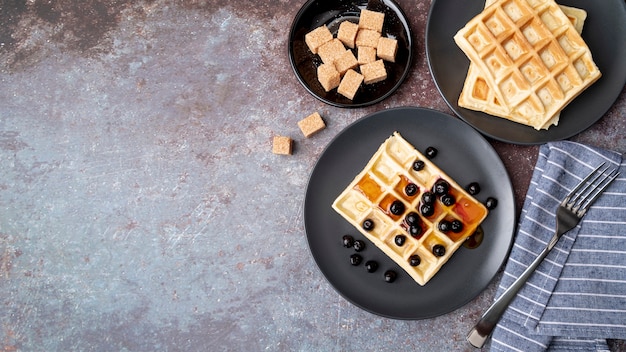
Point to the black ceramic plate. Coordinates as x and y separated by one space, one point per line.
315 13
604 32
464 155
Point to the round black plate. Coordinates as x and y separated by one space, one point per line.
464 155
315 13
604 32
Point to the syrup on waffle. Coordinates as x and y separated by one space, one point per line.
385 202
528 61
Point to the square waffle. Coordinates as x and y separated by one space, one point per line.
531 61
397 224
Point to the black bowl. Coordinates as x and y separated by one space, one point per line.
315 13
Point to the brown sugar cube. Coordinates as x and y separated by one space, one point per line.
282 145
372 20
311 124
373 72
387 49
347 33
317 37
328 76
366 54
367 37
346 62
350 84
331 50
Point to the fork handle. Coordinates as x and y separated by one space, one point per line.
481 331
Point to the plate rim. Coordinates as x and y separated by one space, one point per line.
509 191
405 73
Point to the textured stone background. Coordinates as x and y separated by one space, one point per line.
141 208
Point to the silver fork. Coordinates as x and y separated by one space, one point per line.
568 214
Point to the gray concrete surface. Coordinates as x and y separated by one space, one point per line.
141 208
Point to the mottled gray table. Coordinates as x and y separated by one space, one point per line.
141 208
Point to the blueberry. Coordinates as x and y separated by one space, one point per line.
411 189
399 240
441 187
456 226
355 259
447 200
348 241
491 203
390 276
412 218
431 152
359 245
427 210
418 165
415 230
415 260
371 266
368 225
439 250
428 198
396 208
444 226
473 188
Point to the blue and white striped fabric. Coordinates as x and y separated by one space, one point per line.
577 297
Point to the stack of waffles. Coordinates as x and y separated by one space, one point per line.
384 202
527 60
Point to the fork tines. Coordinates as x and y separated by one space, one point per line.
581 197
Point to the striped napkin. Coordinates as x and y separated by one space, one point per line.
577 297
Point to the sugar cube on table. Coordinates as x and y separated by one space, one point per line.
282 145
311 124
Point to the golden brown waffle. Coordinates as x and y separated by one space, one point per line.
378 194
530 58
476 94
